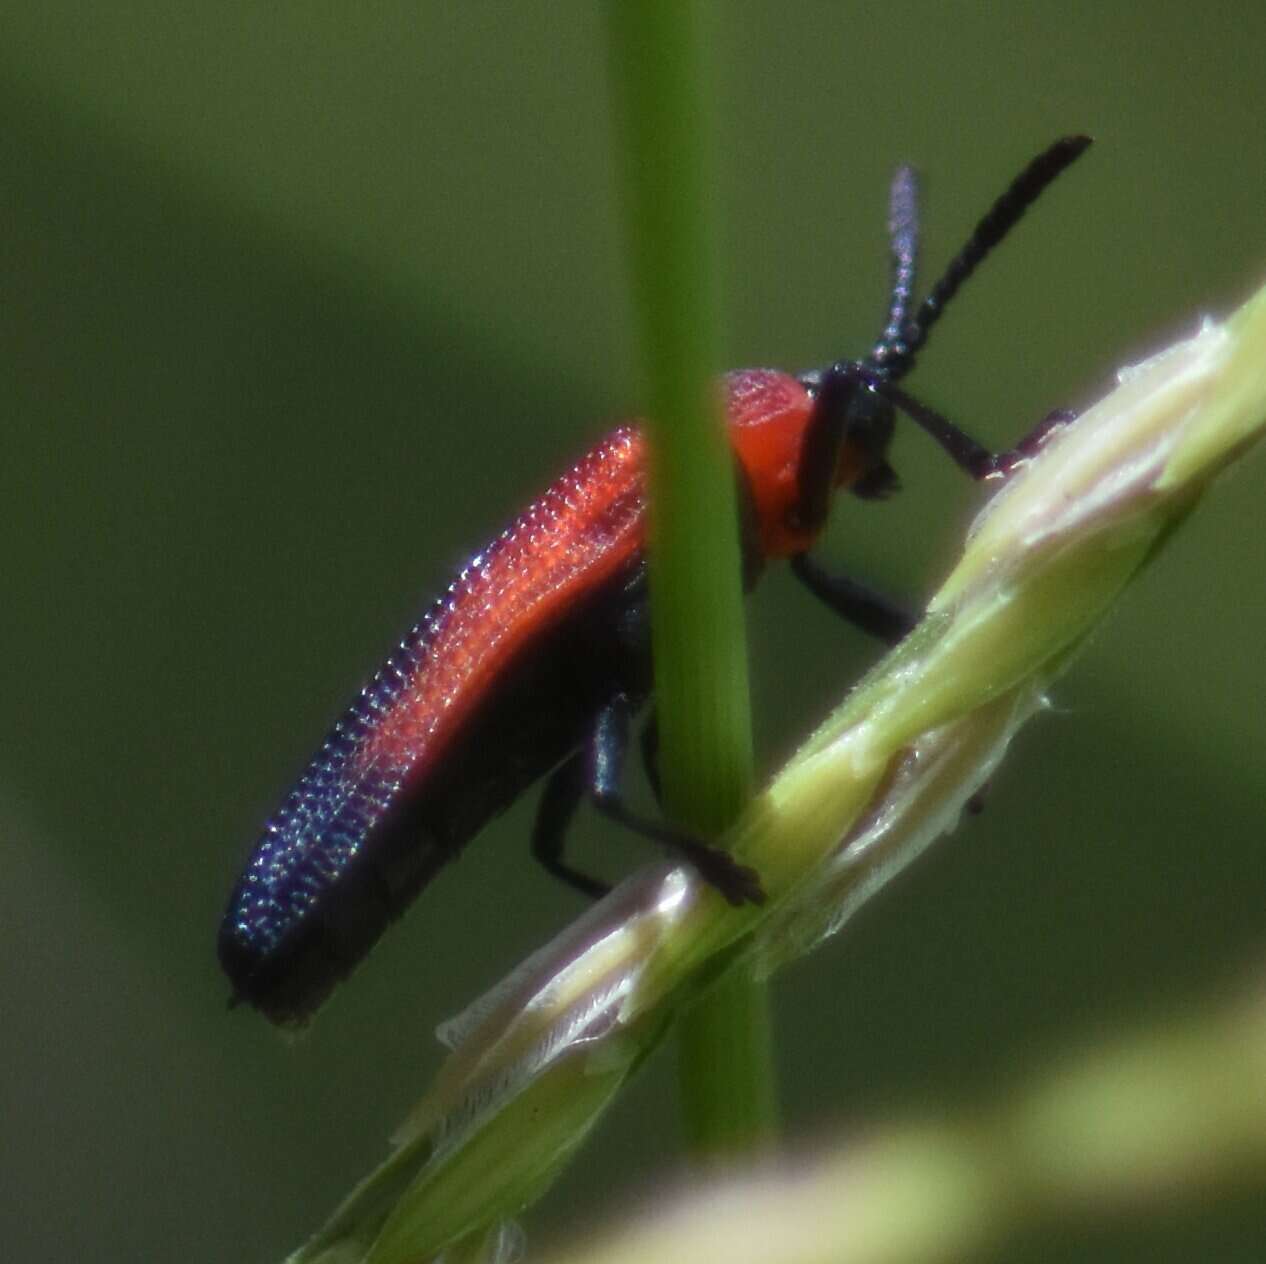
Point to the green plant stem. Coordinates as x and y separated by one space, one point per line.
701 680
726 1042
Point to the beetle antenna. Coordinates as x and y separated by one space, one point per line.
895 352
903 239
998 221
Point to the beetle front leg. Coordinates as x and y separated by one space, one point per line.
827 428
963 450
1041 434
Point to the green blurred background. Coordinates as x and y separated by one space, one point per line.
301 301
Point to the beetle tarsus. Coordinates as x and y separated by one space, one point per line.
1037 438
737 883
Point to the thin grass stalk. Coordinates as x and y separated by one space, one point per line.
661 89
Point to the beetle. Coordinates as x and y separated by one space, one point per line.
536 660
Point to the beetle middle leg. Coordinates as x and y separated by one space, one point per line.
863 607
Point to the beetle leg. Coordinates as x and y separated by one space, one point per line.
736 882
1050 425
877 484
833 411
963 450
559 801
872 612
650 756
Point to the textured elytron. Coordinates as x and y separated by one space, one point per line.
586 527
449 730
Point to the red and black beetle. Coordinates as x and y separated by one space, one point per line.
537 658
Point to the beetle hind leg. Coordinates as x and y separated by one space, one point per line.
738 883
562 795
597 771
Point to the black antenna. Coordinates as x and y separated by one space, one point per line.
894 353
903 239
854 399
998 221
